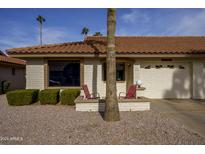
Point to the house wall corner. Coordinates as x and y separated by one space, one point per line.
35 73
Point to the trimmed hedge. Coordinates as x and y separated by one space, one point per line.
22 97
49 96
69 95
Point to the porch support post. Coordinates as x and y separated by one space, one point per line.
46 74
136 75
136 71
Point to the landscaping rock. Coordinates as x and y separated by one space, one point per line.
37 124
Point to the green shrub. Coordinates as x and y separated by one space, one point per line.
22 97
49 96
69 95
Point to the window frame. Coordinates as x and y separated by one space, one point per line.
104 71
46 72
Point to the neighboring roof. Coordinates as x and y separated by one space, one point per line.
124 45
11 60
2 53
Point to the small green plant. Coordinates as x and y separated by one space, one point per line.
49 96
22 97
5 86
69 95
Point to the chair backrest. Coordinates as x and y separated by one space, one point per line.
86 91
131 93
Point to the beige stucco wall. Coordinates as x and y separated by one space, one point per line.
199 79
35 73
18 80
93 78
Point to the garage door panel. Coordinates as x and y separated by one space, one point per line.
166 80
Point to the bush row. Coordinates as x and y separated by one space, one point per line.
22 97
47 96
68 96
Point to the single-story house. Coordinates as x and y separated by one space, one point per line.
169 66
12 70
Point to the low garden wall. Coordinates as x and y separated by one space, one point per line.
140 104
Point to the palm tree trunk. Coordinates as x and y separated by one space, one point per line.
41 41
111 106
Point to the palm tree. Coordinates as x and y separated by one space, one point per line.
111 105
97 34
85 31
40 19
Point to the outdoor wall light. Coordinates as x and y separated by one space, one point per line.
139 83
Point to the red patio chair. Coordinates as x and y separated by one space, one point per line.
89 95
131 93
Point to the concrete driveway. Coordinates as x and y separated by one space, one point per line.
189 112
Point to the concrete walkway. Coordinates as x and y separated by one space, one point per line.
189 112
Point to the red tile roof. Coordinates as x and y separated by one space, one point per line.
11 60
124 45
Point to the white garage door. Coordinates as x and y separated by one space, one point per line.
166 79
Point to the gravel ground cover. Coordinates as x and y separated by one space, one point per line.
50 124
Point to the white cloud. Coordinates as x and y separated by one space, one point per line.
57 35
122 32
19 36
188 25
163 22
135 16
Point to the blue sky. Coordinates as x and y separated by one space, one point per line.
19 26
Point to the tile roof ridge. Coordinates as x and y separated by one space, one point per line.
45 45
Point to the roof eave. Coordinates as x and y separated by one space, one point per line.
104 55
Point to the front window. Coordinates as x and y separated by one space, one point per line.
64 73
120 71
